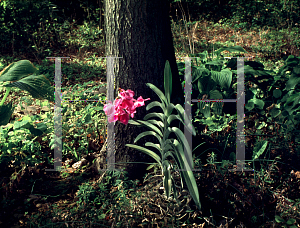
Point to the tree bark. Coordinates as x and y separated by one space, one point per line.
139 31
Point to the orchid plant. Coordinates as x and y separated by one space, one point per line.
169 147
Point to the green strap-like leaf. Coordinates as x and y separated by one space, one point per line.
168 81
190 127
188 176
260 152
184 117
159 94
151 127
157 123
169 110
167 181
156 146
135 123
154 104
143 134
146 151
151 115
181 136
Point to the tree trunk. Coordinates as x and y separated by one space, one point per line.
139 31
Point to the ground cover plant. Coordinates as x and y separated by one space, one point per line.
80 196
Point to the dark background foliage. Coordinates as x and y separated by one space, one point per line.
22 19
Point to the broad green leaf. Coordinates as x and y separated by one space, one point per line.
204 108
199 72
215 95
37 85
291 102
249 105
291 221
17 70
231 49
5 113
206 84
215 63
226 78
88 119
258 102
292 82
275 112
278 219
223 78
277 93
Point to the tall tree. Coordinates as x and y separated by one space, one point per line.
139 31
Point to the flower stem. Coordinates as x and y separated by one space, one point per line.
5 96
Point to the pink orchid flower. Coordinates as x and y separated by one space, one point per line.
123 106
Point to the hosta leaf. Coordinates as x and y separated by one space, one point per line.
17 70
37 85
257 102
230 49
215 95
277 93
292 82
215 63
5 113
206 84
199 72
274 112
204 108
